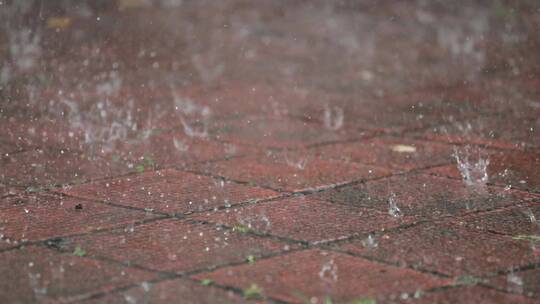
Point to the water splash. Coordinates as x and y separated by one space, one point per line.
370 242
130 299
180 145
257 222
40 291
515 283
92 118
329 271
333 117
299 164
393 208
230 149
205 67
24 48
472 165
528 213
111 84
194 118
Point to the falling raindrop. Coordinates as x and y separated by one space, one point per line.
472 166
393 208
369 242
180 145
146 286
194 118
528 212
329 272
515 283
38 289
299 164
333 117
130 299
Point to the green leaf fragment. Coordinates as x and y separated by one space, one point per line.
241 229
253 291
526 237
79 251
364 301
206 282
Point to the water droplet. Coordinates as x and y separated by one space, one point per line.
393 208
369 242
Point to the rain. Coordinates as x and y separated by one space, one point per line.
235 151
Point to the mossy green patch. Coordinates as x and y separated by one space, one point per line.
253 291
79 251
241 229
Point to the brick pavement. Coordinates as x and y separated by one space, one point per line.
269 152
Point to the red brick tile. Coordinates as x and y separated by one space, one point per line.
169 191
501 131
396 113
43 216
7 148
469 294
418 107
27 132
51 166
175 291
406 112
450 249
280 132
42 275
522 282
6 190
303 218
517 169
173 245
522 220
292 171
176 148
234 98
296 278
424 196
390 152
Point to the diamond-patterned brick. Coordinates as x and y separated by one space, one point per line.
292 171
176 246
36 274
448 248
302 218
516 221
424 196
390 152
301 276
51 166
501 131
517 169
469 294
169 191
175 148
44 216
280 132
521 282
174 291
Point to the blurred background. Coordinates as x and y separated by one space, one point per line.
104 80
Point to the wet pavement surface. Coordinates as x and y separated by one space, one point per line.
169 151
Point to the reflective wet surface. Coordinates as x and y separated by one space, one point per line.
269 151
